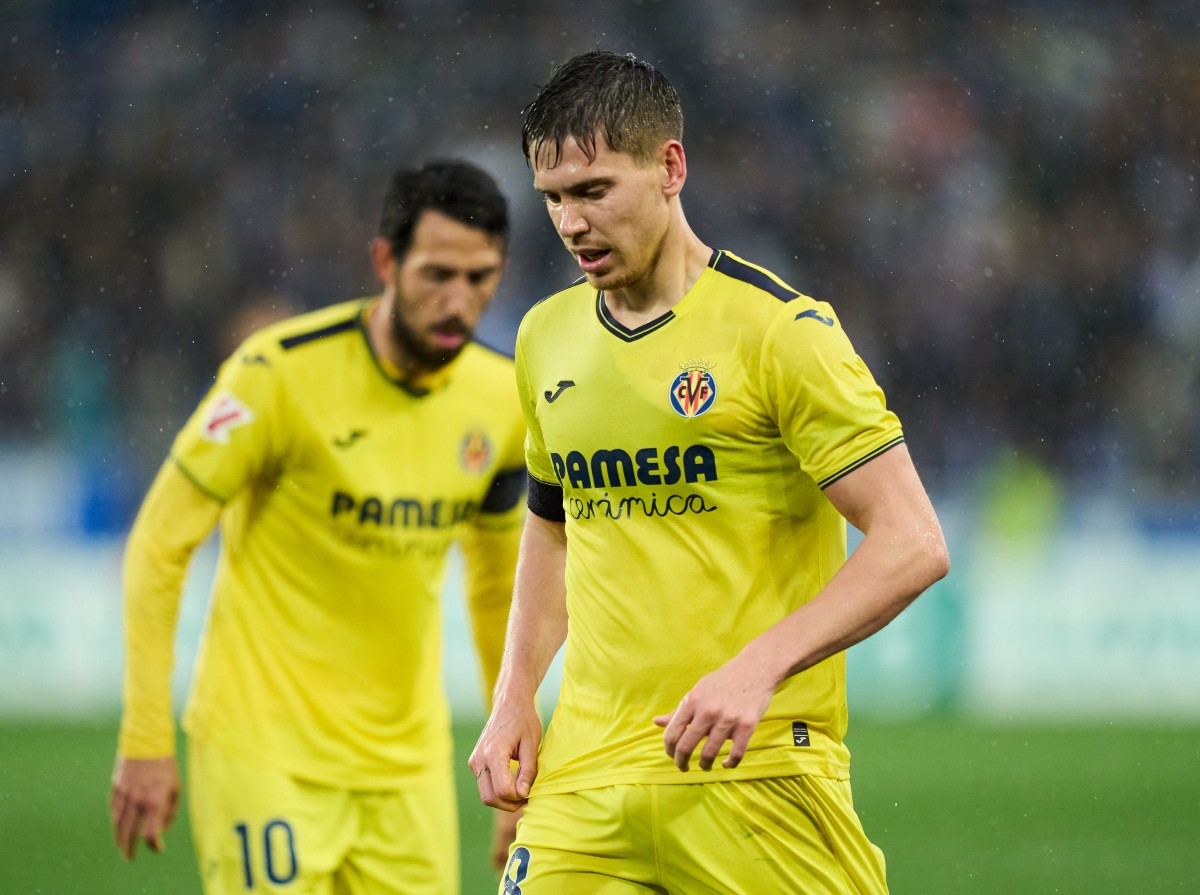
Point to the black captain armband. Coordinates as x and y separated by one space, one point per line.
546 501
505 491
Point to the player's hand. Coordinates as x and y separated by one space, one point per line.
504 832
724 705
512 733
143 802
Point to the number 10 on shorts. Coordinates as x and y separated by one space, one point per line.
277 857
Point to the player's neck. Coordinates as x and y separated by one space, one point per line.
675 271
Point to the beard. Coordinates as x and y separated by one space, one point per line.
423 354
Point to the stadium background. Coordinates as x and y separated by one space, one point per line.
1000 198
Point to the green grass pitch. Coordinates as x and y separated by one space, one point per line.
957 806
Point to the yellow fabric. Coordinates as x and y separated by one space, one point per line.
781 834
693 528
174 519
342 492
258 830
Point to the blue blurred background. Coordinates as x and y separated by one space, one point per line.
999 198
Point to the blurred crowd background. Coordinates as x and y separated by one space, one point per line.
999 198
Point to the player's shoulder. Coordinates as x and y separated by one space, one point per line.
759 289
575 302
485 360
752 283
285 337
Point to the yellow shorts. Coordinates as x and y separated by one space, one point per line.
258 830
787 834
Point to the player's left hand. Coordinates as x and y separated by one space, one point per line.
504 832
724 705
143 802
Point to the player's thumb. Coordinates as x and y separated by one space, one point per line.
527 755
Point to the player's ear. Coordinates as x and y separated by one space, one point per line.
383 260
674 166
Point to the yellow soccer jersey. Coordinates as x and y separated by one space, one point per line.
690 454
343 491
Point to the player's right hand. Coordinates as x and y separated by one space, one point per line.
512 734
143 802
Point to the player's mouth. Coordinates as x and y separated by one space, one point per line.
592 261
450 334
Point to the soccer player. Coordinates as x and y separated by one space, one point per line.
698 434
342 452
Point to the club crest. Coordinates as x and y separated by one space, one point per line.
475 451
694 390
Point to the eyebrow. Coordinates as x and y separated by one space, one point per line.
581 186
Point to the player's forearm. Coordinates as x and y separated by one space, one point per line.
537 624
902 553
874 586
490 557
173 520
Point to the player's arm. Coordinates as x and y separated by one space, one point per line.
537 626
174 519
489 546
902 553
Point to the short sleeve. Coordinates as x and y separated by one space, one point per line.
831 413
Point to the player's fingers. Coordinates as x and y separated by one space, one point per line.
676 727
127 827
663 720
716 739
172 811
527 772
741 741
152 829
493 795
687 745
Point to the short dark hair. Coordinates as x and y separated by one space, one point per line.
626 100
457 189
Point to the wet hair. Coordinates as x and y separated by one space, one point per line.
626 101
457 189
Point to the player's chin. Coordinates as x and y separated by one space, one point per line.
439 353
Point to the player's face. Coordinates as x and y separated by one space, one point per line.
611 212
438 291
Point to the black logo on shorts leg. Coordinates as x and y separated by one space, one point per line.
800 734
516 871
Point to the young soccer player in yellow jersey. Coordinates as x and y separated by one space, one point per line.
698 434
342 452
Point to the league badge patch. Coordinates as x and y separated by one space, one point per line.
694 390
475 452
225 413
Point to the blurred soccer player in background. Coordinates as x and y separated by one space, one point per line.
698 434
342 452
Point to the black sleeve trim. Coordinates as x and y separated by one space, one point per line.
857 463
187 474
324 332
505 492
546 501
